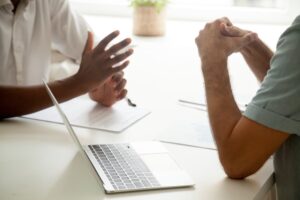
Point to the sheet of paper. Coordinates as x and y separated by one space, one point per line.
189 126
85 113
199 100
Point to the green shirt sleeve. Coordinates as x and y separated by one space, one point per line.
277 102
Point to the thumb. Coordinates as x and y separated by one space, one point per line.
89 43
232 31
243 41
249 37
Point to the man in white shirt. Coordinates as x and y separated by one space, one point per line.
29 29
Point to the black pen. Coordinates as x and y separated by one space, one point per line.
130 103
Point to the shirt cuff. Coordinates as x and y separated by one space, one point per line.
272 119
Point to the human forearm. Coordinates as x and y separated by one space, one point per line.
16 100
214 50
97 65
258 56
235 135
222 109
243 145
224 116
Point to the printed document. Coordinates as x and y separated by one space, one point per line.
83 112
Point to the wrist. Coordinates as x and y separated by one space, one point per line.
211 61
77 84
214 67
213 56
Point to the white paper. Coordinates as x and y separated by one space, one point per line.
85 113
189 126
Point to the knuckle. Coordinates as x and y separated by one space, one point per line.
224 18
218 21
227 19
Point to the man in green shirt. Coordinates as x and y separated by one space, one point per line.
271 122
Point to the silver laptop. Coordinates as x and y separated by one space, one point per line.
128 167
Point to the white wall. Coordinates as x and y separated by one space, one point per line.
204 10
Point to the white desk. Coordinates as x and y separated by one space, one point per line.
39 160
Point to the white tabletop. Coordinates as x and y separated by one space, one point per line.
38 160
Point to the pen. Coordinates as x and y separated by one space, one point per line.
130 103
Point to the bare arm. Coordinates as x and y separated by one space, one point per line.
243 145
15 100
96 67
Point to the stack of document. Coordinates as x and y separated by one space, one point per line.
83 112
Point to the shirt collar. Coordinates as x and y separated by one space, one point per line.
27 1
5 2
8 2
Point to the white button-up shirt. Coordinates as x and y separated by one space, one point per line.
27 37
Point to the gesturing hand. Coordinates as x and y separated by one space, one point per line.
100 63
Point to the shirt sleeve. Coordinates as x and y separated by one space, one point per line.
277 102
69 29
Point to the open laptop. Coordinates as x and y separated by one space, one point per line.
127 167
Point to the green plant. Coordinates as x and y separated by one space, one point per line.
158 4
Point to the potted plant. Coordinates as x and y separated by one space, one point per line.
149 17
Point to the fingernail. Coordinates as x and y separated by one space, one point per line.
130 51
128 41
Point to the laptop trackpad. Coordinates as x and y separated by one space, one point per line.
166 170
160 162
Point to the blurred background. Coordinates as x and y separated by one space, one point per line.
172 57
253 11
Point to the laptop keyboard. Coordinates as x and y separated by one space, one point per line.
123 167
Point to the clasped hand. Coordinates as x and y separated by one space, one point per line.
220 38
